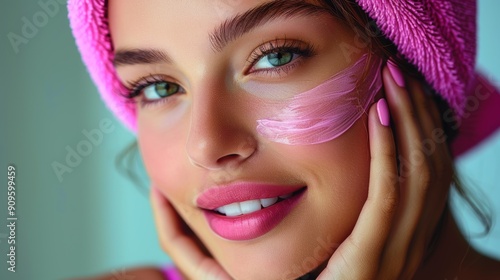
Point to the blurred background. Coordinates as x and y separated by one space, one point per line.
84 217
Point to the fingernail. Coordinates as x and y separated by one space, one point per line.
383 112
396 73
155 192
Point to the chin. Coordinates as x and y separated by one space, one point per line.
288 252
286 264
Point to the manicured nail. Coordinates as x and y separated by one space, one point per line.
396 73
155 192
383 112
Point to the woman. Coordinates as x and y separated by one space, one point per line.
265 130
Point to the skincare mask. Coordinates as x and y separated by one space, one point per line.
328 110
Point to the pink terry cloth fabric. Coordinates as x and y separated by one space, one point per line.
481 116
437 36
89 24
170 272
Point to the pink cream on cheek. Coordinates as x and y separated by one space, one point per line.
327 111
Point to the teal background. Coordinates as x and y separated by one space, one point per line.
95 220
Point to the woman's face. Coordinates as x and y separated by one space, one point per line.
203 135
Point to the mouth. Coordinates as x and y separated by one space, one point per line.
246 211
250 206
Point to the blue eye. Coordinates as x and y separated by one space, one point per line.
279 56
160 90
275 59
152 89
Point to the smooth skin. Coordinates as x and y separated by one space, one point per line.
397 220
358 257
385 228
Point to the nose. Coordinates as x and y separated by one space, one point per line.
220 132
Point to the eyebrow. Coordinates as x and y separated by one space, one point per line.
237 26
229 30
140 56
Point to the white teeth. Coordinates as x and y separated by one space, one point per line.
266 202
220 210
250 206
232 209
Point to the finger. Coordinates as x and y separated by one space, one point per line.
184 251
414 164
407 134
358 256
434 145
435 148
434 140
414 168
413 174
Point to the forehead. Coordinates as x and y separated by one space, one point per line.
133 22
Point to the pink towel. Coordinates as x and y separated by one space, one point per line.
438 36
170 272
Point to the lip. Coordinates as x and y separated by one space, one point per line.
253 225
218 196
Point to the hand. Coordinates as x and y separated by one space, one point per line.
400 215
181 244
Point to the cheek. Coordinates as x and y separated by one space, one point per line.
163 153
346 168
327 111
340 171
347 179
344 160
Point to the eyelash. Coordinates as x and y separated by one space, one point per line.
135 87
302 49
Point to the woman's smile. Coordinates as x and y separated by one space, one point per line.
247 210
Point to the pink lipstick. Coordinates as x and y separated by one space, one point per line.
246 210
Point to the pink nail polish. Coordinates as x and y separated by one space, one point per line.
396 73
156 192
383 112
